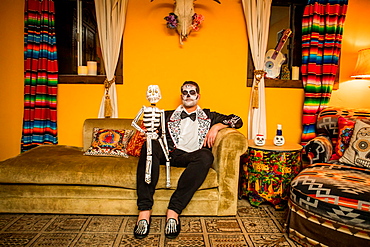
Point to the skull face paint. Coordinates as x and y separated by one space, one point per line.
153 94
189 95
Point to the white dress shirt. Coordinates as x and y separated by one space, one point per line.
188 139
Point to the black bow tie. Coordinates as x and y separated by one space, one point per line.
191 116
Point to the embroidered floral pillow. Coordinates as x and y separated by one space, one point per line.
358 152
345 130
109 142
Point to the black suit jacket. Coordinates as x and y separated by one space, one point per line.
206 119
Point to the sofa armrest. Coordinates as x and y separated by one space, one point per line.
230 144
319 149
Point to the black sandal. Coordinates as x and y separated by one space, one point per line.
142 229
172 228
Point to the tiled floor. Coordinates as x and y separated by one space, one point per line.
262 226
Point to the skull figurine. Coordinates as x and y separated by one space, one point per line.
279 140
259 140
362 148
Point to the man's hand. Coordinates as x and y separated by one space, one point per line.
212 133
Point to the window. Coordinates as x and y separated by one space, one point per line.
284 14
77 40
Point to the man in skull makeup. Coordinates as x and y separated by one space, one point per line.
190 134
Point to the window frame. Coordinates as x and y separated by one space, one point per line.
72 78
279 83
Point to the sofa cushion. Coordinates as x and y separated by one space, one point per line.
358 152
135 144
109 142
58 164
345 130
335 191
327 120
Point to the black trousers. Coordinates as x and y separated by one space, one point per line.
197 164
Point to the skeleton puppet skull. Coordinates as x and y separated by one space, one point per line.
362 148
153 94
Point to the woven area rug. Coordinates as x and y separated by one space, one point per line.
262 226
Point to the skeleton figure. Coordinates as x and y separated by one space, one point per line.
153 120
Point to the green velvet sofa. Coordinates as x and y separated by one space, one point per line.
61 180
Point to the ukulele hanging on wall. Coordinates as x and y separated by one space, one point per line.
274 58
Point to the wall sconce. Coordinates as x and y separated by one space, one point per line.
362 69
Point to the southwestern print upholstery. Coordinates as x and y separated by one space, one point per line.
311 229
334 198
319 149
329 200
335 191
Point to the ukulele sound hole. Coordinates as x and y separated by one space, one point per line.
269 65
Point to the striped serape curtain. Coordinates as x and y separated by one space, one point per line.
322 28
40 75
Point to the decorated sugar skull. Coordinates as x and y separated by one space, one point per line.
189 95
153 94
259 140
362 147
279 140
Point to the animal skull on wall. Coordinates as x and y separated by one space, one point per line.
184 19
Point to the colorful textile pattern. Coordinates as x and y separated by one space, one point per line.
135 144
41 75
335 191
327 126
322 28
319 149
313 230
267 175
345 131
358 152
109 142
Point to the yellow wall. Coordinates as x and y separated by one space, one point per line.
11 77
215 57
356 36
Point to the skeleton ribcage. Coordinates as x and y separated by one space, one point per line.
151 119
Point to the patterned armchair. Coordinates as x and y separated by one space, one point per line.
329 202
323 147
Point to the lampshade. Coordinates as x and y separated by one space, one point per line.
362 69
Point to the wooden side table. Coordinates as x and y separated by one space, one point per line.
266 172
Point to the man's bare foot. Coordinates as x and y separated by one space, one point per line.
142 226
172 214
144 215
173 225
